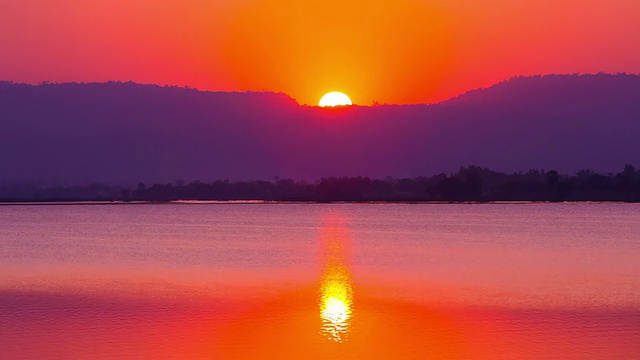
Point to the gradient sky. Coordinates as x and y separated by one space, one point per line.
387 51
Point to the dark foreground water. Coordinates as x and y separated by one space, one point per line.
278 281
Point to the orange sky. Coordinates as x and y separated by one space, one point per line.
387 51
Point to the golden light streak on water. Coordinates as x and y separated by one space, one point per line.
336 305
336 290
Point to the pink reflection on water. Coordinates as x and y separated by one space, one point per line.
431 290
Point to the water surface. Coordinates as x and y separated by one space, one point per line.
205 281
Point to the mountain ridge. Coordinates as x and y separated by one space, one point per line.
126 132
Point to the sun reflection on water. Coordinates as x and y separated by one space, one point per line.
336 290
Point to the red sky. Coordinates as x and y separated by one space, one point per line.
375 50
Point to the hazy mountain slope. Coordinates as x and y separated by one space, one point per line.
127 133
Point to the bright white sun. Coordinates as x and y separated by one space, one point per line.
335 98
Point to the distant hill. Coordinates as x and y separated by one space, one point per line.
126 133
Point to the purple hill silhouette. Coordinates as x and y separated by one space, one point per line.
125 132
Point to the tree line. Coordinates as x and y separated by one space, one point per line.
470 183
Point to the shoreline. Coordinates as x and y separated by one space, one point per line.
298 202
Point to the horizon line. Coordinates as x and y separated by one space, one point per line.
275 92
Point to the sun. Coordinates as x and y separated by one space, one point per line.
335 98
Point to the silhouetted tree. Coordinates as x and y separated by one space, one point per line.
553 177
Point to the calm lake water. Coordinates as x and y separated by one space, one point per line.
306 281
